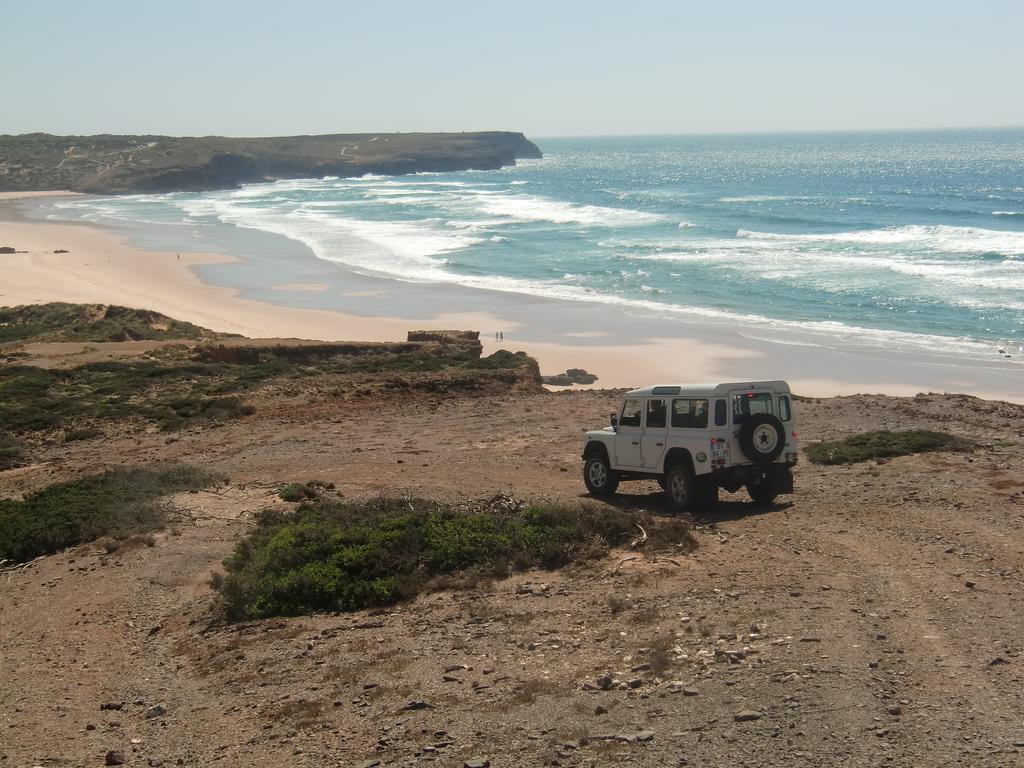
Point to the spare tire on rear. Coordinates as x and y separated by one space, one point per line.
762 438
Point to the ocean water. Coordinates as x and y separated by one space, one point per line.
901 237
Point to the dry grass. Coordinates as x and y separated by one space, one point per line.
529 690
303 713
659 656
617 604
646 614
342 675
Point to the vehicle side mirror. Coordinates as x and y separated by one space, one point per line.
615 420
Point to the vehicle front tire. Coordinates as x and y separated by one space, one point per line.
599 477
763 492
680 488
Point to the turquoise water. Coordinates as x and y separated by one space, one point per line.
913 236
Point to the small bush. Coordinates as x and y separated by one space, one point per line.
302 491
295 492
82 433
884 444
334 555
12 453
114 504
659 656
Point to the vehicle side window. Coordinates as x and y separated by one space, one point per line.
784 413
656 414
690 414
631 411
720 414
749 404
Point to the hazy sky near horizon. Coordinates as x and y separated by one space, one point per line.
546 68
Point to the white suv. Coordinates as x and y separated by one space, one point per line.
695 439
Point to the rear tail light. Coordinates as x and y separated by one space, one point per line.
794 433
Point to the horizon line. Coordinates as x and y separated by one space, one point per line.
652 134
785 132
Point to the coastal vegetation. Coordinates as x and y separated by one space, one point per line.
207 377
173 394
884 444
336 555
58 321
169 395
116 504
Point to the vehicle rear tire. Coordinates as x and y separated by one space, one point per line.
680 487
599 477
707 493
763 492
762 438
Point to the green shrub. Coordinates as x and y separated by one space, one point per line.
332 555
115 504
882 445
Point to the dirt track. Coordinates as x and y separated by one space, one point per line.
874 620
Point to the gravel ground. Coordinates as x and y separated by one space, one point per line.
873 618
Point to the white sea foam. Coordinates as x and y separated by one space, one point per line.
412 182
923 261
534 208
405 250
475 224
1008 213
416 191
327 204
936 237
762 198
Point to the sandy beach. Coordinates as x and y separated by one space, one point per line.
103 266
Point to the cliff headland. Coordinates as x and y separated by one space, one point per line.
110 164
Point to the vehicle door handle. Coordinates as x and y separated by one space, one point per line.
659 444
636 442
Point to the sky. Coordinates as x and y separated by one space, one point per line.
554 68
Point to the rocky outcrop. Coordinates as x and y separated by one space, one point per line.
463 342
115 164
570 377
